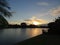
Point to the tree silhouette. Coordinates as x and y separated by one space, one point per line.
4 11
23 25
3 21
54 27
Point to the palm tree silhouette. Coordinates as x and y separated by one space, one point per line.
4 11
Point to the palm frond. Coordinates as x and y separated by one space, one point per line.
3 21
4 3
5 12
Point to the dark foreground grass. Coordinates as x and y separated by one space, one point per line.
34 41
53 40
42 40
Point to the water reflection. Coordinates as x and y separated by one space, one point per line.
11 36
33 32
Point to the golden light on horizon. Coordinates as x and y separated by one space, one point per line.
36 21
33 20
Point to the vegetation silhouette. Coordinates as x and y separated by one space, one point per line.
23 25
54 27
3 22
4 12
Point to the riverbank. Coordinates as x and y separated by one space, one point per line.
42 40
34 41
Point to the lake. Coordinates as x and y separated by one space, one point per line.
15 35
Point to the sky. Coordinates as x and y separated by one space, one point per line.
45 10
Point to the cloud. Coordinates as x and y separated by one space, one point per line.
14 22
35 19
55 11
43 3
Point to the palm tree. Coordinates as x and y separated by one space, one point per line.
4 11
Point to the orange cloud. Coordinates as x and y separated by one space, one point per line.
55 11
36 21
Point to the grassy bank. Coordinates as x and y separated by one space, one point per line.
42 40
38 40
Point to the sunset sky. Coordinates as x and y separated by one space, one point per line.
45 10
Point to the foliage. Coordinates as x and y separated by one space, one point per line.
54 27
4 11
4 8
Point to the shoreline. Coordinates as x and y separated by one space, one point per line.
37 40
22 26
41 40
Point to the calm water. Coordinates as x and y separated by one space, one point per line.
12 36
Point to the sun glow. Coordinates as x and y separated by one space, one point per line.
36 23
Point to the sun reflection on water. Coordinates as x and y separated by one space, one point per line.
34 32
